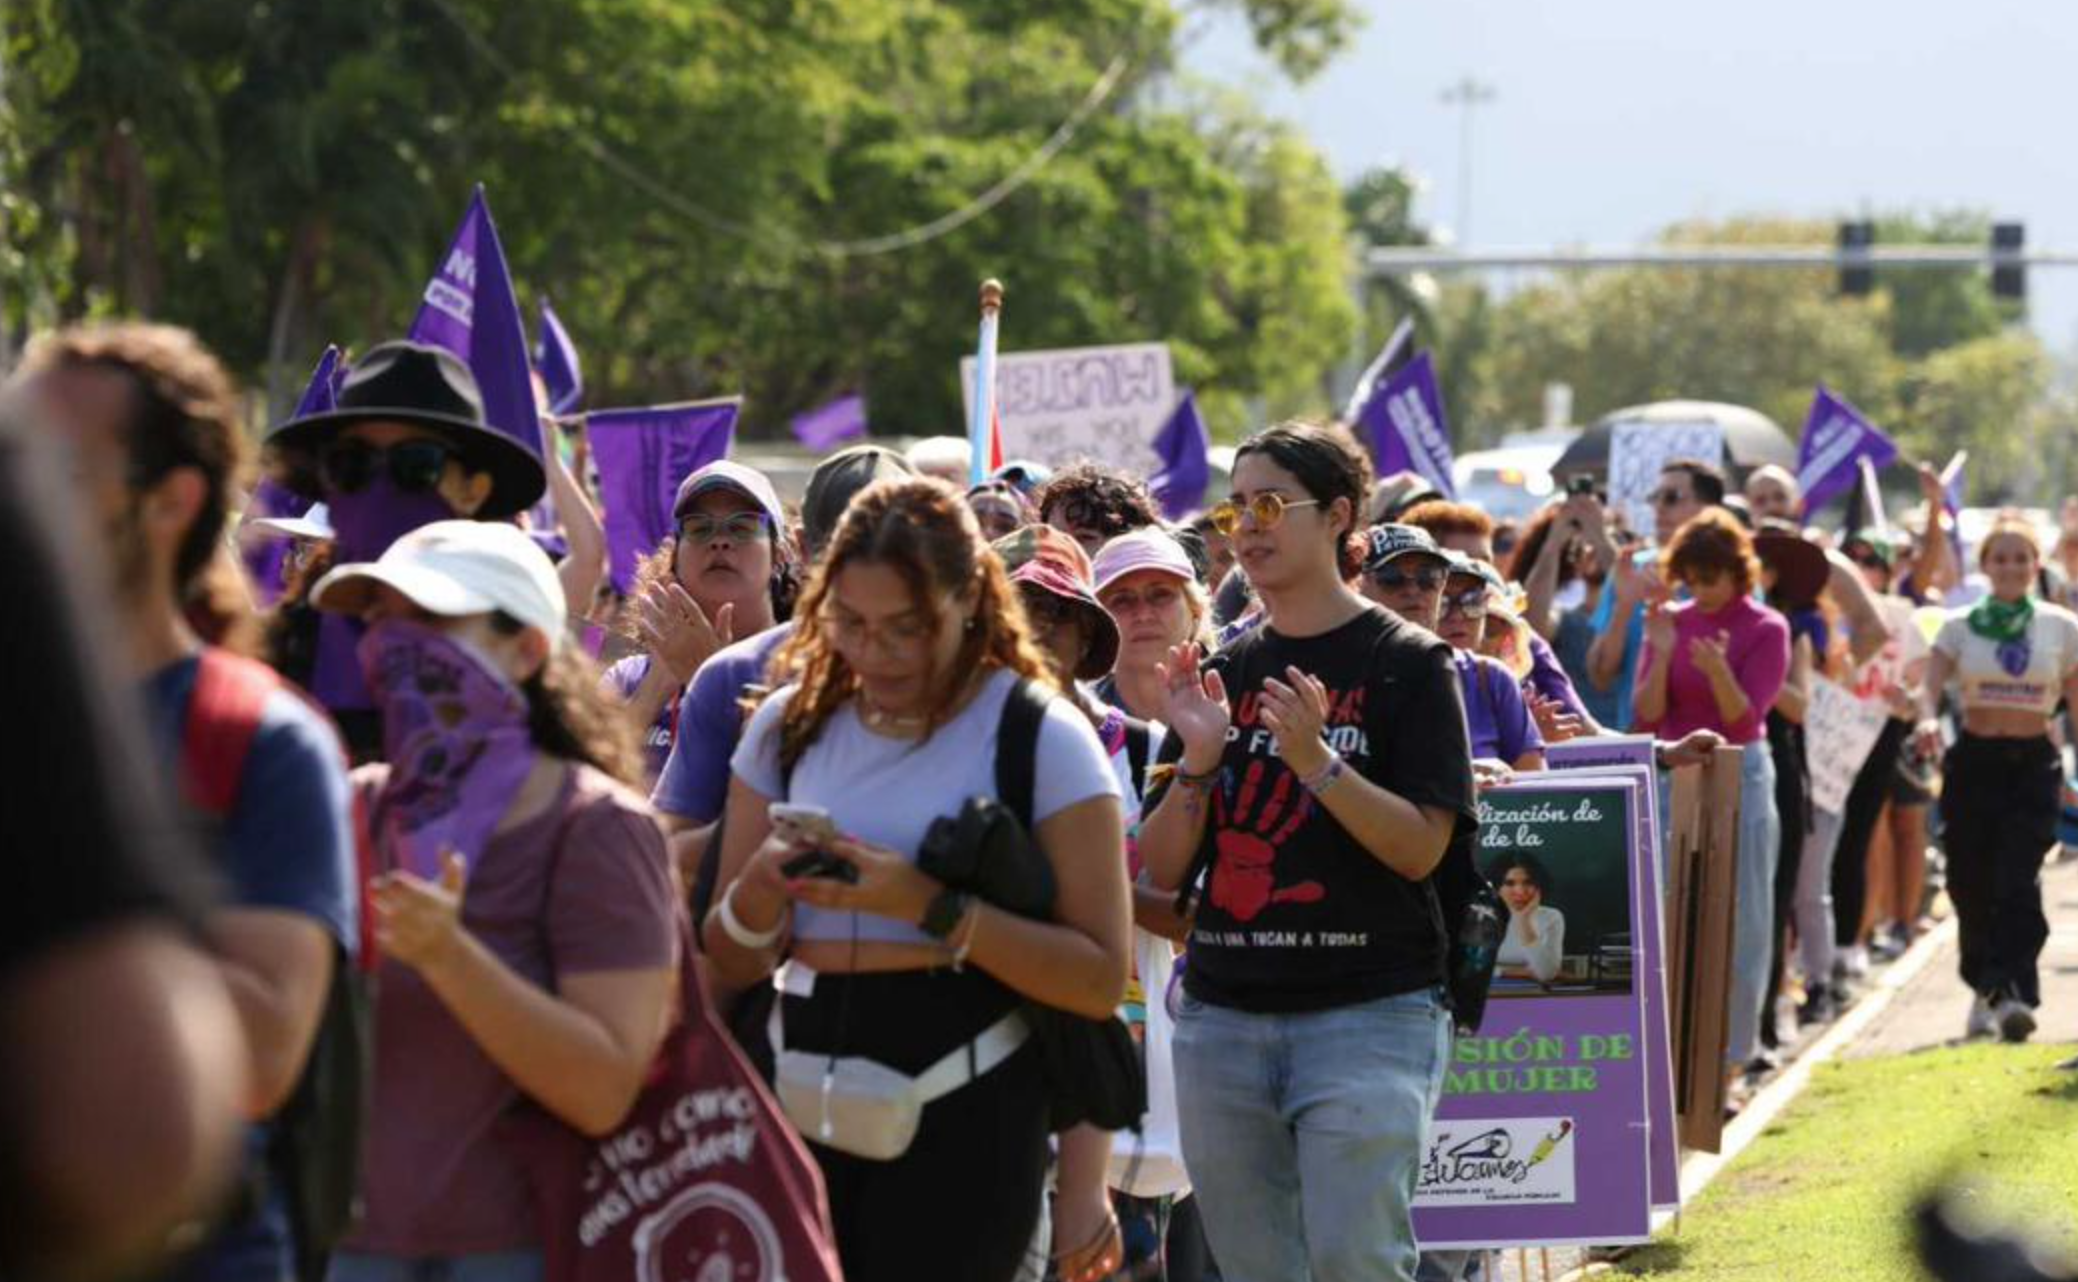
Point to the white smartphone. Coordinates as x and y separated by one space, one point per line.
802 825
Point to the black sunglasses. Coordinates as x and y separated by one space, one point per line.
1392 577
347 466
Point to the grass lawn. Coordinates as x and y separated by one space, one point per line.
1825 1193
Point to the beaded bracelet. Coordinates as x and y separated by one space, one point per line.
1324 778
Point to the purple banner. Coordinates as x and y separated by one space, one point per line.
1635 756
1184 447
832 423
1540 1139
1837 437
642 456
1403 419
469 310
556 357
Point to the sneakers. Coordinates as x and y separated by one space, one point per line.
2016 1021
1820 1006
1983 1020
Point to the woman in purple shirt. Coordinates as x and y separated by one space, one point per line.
1717 661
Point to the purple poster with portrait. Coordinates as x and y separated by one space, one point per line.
1541 1136
1634 756
642 456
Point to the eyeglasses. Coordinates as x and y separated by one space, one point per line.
1471 603
1668 498
1158 599
1392 577
902 638
347 466
1266 510
741 527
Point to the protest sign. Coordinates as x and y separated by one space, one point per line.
1839 732
1635 756
642 456
1638 452
1103 404
1541 1136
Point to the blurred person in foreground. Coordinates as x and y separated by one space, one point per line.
152 423
123 1068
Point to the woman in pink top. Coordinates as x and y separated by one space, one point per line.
1717 662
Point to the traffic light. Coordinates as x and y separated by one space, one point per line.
2008 274
1857 277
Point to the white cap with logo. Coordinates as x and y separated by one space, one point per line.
455 568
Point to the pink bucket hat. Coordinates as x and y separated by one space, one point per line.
1143 549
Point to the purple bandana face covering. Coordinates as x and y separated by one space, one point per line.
455 732
367 521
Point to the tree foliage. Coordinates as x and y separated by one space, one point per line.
682 176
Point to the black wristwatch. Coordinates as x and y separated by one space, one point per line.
945 913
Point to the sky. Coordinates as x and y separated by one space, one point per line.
1614 118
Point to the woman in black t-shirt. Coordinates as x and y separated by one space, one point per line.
1321 773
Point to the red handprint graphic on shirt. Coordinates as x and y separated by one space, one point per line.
1244 878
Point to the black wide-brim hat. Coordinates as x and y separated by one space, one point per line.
405 382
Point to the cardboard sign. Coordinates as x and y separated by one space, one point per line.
1103 404
1839 731
1540 1138
1639 451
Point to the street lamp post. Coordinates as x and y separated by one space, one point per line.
1466 95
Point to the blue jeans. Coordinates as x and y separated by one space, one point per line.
1753 922
492 1266
1303 1134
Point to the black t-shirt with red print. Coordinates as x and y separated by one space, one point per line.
1295 915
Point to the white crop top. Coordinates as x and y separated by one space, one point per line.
2025 676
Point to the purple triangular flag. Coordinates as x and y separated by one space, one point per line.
642 456
1837 437
556 357
831 423
1403 419
265 556
469 310
1184 447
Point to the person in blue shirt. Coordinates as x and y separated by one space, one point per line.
152 423
1686 487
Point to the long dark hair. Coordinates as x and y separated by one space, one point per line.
1540 876
923 530
568 717
1329 465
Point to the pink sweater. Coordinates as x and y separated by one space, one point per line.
1758 649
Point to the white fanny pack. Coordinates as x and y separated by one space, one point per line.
863 1107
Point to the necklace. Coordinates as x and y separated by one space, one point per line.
907 723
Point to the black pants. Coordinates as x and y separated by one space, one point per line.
963 1202
1872 787
1999 803
1793 804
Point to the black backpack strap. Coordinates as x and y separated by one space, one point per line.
1017 749
1139 746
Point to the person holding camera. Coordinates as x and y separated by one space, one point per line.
905 997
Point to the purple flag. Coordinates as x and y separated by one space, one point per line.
469 310
1836 438
1403 417
831 423
265 556
556 357
1391 359
642 456
1183 445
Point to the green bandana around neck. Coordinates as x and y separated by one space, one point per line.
2002 621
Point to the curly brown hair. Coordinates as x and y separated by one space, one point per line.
1441 518
922 529
1713 543
186 415
1102 498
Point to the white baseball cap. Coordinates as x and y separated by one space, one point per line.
315 525
455 568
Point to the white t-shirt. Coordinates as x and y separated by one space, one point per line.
1542 958
887 791
2027 676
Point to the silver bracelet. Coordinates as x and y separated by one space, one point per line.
756 941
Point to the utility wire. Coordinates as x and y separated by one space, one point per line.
908 238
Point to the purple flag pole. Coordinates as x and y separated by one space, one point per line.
832 423
1403 418
556 357
1836 437
265 555
469 309
1184 447
642 456
1953 487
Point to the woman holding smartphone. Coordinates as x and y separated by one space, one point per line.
909 644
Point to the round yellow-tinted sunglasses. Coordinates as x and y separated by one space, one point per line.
1266 509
